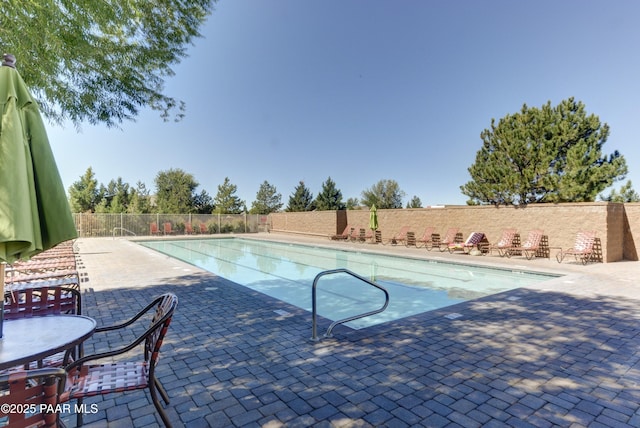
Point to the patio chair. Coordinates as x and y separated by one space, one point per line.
342 236
453 235
167 228
583 248
400 237
188 229
505 242
203 228
365 235
37 390
427 238
153 229
410 240
530 247
473 241
86 380
354 234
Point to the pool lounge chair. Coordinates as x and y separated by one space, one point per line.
400 237
452 235
530 247
427 238
343 236
507 241
473 241
582 249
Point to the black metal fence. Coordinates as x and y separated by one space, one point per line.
104 225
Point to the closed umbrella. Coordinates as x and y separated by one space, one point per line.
373 219
34 211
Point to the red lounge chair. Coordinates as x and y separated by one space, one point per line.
453 235
427 238
188 229
203 228
582 249
167 229
400 237
343 236
505 243
531 245
153 229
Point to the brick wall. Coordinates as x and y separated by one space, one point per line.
616 224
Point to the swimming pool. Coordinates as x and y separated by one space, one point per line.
286 272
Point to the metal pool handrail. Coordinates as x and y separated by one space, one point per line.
314 327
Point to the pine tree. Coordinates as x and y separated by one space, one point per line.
83 194
547 154
414 203
226 201
301 199
267 201
175 192
329 198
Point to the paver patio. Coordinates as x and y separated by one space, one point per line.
563 353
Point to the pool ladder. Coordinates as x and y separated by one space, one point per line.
314 327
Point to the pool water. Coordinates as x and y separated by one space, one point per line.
286 272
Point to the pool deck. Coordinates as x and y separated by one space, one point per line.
563 353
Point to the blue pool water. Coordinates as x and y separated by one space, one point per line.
287 271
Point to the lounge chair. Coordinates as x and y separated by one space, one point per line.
365 235
399 237
530 246
203 228
427 238
354 234
505 243
188 229
582 249
153 229
343 236
452 235
473 241
167 229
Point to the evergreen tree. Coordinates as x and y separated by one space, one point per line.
329 198
203 203
301 199
83 194
140 202
100 61
626 194
414 203
548 154
352 203
267 201
175 192
385 194
226 201
115 198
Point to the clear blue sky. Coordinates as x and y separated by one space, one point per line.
290 90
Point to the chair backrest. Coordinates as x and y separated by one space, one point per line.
167 227
188 228
533 240
450 237
166 306
26 301
474 238
346 231
426 236
38 390
585 240
203 228
507 237
403 233
153 228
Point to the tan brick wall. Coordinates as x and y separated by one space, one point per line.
615 224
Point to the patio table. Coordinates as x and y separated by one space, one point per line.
32 339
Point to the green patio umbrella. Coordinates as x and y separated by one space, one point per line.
34 211
373 218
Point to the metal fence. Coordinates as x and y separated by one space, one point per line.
97 225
